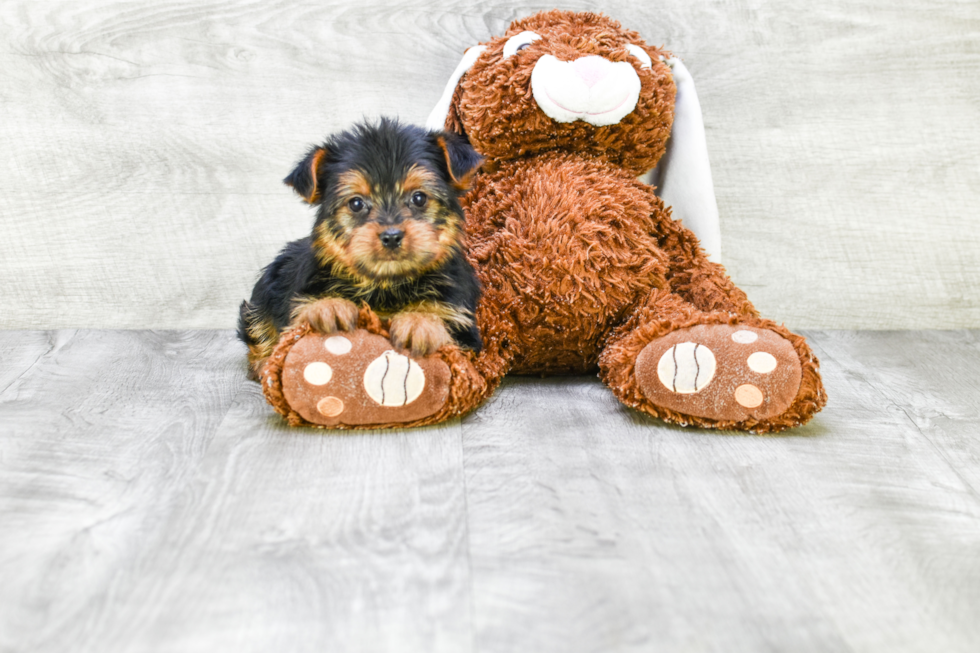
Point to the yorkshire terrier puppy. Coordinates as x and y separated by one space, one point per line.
388 233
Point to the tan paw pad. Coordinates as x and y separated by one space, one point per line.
719 371
357 379
330 406
748 395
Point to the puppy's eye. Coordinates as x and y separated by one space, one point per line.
356 204
419 198
640 54
519 42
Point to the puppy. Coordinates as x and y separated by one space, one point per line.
388 233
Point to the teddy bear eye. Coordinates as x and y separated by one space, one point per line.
519 42
641 54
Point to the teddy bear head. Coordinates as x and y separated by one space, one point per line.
562 80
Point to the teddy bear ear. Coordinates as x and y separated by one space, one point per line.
683 175
303 178
437 119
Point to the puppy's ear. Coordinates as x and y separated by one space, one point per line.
304 178
462 161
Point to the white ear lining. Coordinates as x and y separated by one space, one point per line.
683 176
437 119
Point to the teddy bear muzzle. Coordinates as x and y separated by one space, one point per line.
592 89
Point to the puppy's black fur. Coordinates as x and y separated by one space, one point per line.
404 180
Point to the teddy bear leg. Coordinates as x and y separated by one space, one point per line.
712 369
697 280
358 379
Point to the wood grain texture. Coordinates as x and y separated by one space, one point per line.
19 352
594 529
151 501
99 438
144 144
292 540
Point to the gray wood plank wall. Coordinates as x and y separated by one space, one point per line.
143 144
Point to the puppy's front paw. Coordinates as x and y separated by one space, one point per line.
421 332
328 315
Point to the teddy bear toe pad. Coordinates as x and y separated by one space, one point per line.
720 371
357 378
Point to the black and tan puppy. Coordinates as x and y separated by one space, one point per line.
388 233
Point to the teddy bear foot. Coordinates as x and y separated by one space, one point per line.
720 372
355 379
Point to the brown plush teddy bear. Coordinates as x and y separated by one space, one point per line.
582 266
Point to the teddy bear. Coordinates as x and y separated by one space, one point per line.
583 266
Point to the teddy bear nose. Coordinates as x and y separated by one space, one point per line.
591 69
392 238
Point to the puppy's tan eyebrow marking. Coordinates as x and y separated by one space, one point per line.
355 181
418 177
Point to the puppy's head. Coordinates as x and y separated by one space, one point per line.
387 198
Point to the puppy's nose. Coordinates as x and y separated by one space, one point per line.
392 238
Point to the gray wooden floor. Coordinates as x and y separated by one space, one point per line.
151 501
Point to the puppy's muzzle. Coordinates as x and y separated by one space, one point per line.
391 238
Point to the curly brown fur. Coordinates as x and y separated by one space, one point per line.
388 234
493 103
582 264
565 247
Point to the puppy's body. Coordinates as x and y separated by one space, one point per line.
388 233
296 273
